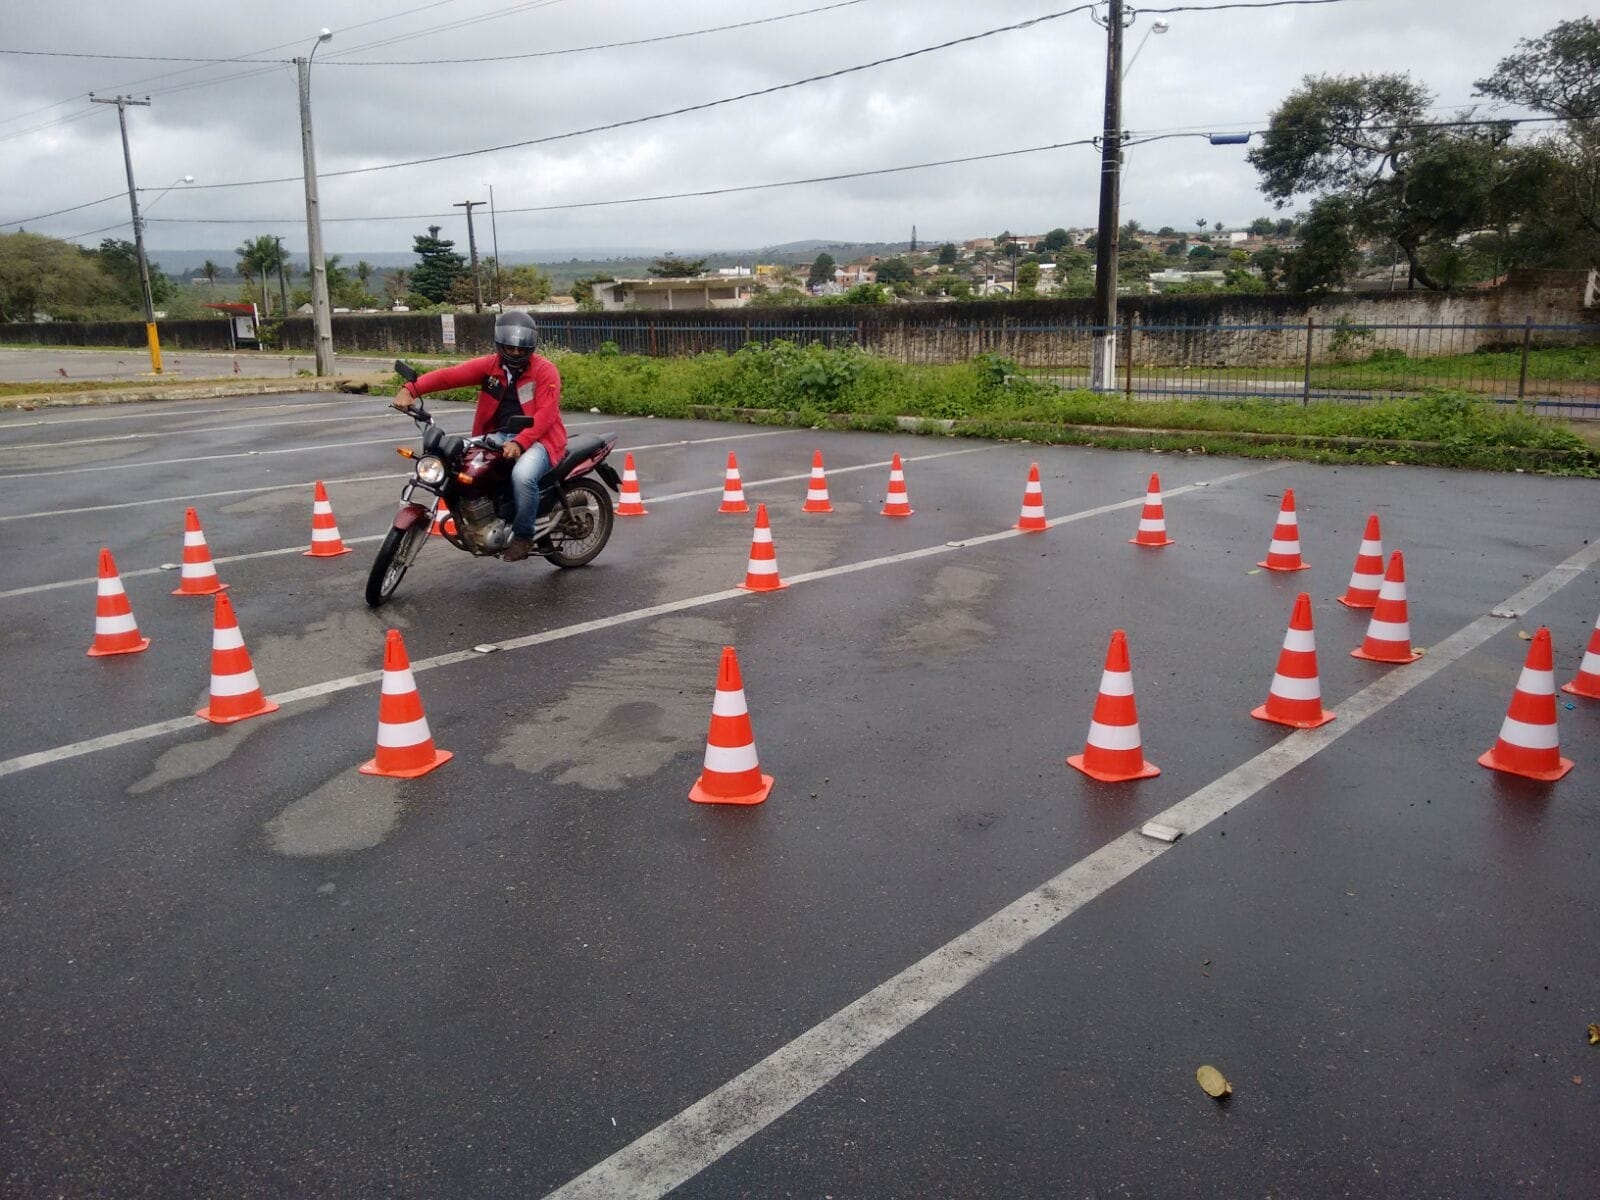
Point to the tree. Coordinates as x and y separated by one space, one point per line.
1166 231
1558 73
397 285
822 268
669 266
1262 227
1028 279
119 261
46 275
1131 229
523 283
1057 239
1287 226
258 260
1201 253
438 265
894 270
947 254
1173 250
1327 255
209 271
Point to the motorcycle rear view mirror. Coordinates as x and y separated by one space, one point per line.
405 370
518 424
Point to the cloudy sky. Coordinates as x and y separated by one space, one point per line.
376 104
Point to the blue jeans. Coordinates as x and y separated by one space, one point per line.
525 473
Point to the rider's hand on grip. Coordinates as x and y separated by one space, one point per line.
512 451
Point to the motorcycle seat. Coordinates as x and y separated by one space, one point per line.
579 451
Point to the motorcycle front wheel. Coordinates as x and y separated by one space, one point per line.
395 556
584 533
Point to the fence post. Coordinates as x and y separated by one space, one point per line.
1522 376
652 338
1127 331
1305 394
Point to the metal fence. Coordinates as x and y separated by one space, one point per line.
1552 369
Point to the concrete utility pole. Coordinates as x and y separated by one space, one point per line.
494 231
321 311
472 249
150 334
1103 362
283 291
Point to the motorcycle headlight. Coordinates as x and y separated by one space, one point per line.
430 470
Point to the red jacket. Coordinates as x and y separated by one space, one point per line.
538 388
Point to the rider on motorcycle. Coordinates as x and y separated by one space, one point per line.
511 381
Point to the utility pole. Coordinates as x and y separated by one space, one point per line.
472 249
150 334
494 230
283 292
321 311
1103 363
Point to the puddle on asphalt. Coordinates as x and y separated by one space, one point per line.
603 733
348 813
948 624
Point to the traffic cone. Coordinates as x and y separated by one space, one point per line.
199 575
443 522
115 630
732 489
325 540
235 694
1113 752
405 747
898 503
1284 552
731 774
1153 520
1366 580
1295 697
817 491
1389 631
632 502
1587 681
1032 518
1528 744
762 573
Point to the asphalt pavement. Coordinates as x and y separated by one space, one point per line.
132 365
936 962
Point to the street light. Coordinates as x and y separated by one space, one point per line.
494 230
1159 25
321 314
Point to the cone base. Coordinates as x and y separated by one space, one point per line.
440 757
1133 541
1148 771
897 513
734 508
763 587
1274 567
700 796
314 553
1361 652
1572 689
630 512
1358 601
207 714
208 591
816 508
1322 718
1549 775
97 652
1031 526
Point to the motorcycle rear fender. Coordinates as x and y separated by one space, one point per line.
409 515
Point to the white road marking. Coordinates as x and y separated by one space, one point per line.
25 762
25 447
100 413
683 1146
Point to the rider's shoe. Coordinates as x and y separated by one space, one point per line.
517 549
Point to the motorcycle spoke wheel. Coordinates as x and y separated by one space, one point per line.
399 550
583 534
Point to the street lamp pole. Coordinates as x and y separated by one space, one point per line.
321 312
154 340
283 291
472 249
1103 364
494 232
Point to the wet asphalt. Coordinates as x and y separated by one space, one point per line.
230 964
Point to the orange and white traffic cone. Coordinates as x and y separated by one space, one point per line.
1153 518
1587 681
1284 552
235 694
731 774
325 540
199 574
1528 744
732 488
115 630
761 575
631 503
817 490
1389 631
405 746
1366 580
443 522
1295 696
1032 518
898 503
1113 752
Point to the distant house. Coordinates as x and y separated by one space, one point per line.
672 295
854 273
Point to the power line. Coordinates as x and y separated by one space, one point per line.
447 26
59 211
123 57
556 137
1240 4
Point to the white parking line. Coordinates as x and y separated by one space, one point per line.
683 1146
25 762
99 413
25 447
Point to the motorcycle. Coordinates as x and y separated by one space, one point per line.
473 478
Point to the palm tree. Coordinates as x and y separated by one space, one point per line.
399 284
259 257
208 271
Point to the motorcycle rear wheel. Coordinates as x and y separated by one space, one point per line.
395 556
579 537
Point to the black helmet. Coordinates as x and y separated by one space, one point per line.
514 337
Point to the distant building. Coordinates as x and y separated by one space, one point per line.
672 295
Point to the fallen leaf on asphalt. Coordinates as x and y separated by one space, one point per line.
1525 635
1594 1035
1578 1079
1212 1083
